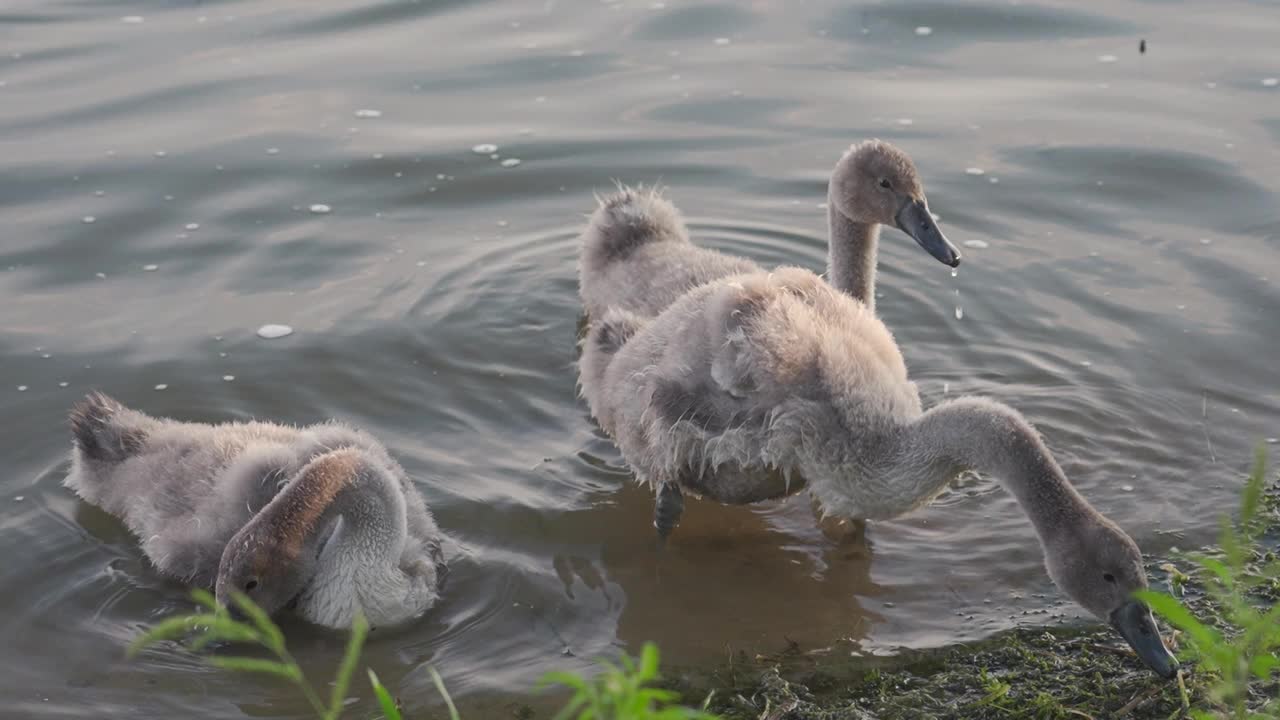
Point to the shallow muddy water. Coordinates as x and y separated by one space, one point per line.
162 171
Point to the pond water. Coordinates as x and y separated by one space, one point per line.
174 175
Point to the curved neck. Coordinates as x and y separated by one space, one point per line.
994 439
851 255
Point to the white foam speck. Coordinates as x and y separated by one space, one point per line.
100 276
22 388
321 209
722 41
979 244
99 193
19 498
484 149
63 384
905 121
422 263
228 378
1273 441
273 151
1206 241
368 113
1127 488
974 171
88 219
924 30
1086 363
161 153
959 313
193 226
993 180
1107 58
133 19
510 162
151 268
162 386
946 388
271 332
1270 82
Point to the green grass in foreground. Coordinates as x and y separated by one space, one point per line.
1225 607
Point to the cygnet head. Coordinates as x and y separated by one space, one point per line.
876 182
1100 567
270 564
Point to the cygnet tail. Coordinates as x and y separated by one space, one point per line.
104 430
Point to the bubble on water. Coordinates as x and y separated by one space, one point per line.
192 226
22 388
905 121
959 313
1107 58
162 386
133 19
924 30
979 244
88 219
228 378
1270 82
510 162
974 171
484 149
366 113
320 209
722 41
272 331
150 268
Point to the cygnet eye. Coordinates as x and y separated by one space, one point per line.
1109 577
250 585
886 184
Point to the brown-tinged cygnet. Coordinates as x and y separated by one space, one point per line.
740 385
318 516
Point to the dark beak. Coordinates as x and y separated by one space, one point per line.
1133 621
914 219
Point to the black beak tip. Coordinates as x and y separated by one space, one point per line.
955 260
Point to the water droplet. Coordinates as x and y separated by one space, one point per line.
959 313
510 162
228 378
150 268
979 244
924 30
974 171
1107 58
955 272
368 113
320 209
162 386
484 149
271 332
193 226
88 219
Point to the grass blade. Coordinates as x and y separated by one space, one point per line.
388 704
256 665
342 681
439 681
1177 615
272 637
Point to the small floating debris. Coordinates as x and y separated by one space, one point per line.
88 219
150 268
1142 46
484 149
192 226
368 114
974 171
271 331
320 209
228 378
924 31
510 162
978 244
162 386
722 41
1107 58
1270 82
133 19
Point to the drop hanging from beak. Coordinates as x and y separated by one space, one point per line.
915 220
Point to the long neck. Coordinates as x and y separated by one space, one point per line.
851 256
994 439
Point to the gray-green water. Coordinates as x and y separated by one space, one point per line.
1126 300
